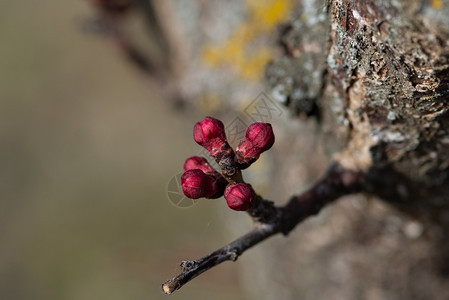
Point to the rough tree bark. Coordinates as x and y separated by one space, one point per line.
376 74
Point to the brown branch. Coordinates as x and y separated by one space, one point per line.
191 269
271 220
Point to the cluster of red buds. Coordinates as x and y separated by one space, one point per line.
202 180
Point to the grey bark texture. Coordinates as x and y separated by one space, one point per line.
375 76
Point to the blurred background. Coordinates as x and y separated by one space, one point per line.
96 118
98 99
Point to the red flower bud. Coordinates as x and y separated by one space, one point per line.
197 162
259 138
210 134
239 196
260 135
196 184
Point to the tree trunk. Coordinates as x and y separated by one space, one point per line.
376 76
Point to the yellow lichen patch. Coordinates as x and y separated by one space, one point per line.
243 52
269 13
438 4
253 68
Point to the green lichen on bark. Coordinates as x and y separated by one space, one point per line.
296 77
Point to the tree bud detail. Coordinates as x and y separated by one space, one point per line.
196 184
210 134
239 196
259 138
197 162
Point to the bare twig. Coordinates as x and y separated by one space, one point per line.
232 251
337 182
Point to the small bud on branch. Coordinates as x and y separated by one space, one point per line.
259 138
197 162
210 134
239 196
196 184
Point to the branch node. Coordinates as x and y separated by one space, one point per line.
233 255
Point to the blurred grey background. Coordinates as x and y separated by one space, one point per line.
88 146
